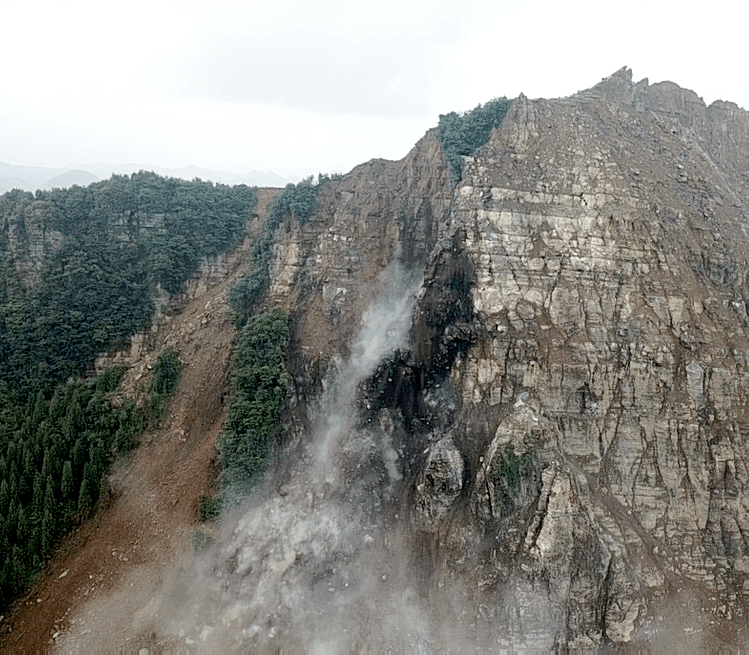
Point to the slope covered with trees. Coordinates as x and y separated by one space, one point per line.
52 458
79 269
250 437
110 246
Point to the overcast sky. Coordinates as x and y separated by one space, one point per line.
300 87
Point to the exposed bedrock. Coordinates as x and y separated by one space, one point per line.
572 411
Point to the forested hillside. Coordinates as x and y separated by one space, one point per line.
79 269
104 251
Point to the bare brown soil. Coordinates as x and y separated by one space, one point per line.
95 592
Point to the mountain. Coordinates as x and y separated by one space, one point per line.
252 178
28 178
514 401
69 178
31 178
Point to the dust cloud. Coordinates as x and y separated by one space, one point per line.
317 563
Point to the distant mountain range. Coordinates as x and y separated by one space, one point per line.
31 178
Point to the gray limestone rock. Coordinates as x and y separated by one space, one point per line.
439 484
583 310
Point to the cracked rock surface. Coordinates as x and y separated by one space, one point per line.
574 402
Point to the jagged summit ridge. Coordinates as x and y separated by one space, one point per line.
722 128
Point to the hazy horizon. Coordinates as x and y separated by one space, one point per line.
32 178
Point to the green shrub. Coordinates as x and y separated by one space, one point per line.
246 292
250 437
296 200
514 477
166 375
110 380
130 423
464 133
209 508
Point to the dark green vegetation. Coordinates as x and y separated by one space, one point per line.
514 478
209 508
52 459
298 201
78 270
165 377
252 428
107 248
244 295
464 133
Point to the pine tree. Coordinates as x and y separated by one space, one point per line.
45 465
40 410
33 546
67 485
11 455
23 531
50 509
68 490
47 535
85 501
9 575
57 406
11 522
5 548
35 445
18 573
37 500
79 455
96 468
4 497
74 422
27 477
5 590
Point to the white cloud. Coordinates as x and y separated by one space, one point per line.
302 87
337 57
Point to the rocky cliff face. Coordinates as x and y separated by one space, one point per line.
326 272
570 415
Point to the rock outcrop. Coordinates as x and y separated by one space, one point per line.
574 401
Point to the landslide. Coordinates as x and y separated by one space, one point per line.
94 593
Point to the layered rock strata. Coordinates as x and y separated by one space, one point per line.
574 402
